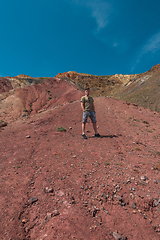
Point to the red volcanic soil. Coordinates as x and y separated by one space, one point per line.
56 185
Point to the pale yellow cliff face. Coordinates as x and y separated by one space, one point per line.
23 76
125 78
99 85
22 81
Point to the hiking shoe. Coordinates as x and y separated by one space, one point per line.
84 136
97 135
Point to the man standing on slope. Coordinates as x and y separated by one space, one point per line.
87 105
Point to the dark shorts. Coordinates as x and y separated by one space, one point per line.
87 114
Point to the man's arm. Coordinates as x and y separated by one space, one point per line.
93 106
82 106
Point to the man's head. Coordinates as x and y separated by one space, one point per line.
87 91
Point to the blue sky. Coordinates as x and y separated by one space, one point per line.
42 38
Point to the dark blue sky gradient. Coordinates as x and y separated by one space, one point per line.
44 37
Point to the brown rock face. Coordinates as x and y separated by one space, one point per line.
155 68
99 85
5 85
69 74
23 76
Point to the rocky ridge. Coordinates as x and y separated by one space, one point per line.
141 89
100 85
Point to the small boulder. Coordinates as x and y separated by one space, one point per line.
48 189
33 200
3 124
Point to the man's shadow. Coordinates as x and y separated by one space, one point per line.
105 136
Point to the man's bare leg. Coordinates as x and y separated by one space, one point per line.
95 127
83 128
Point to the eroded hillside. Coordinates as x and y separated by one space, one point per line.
142 89
25 101
99 85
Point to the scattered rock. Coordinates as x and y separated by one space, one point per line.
156 203
142 182
85 204
104 196
144 178
133 205
72 200
25 114
42 110
118 197
3 124
48 189
55 213
33 200
49 215
118 236
28 136
24 220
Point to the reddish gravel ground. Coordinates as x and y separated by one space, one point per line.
56 185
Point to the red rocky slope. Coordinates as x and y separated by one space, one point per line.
5 85
23 102
56 185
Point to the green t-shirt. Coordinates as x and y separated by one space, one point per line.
87 103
